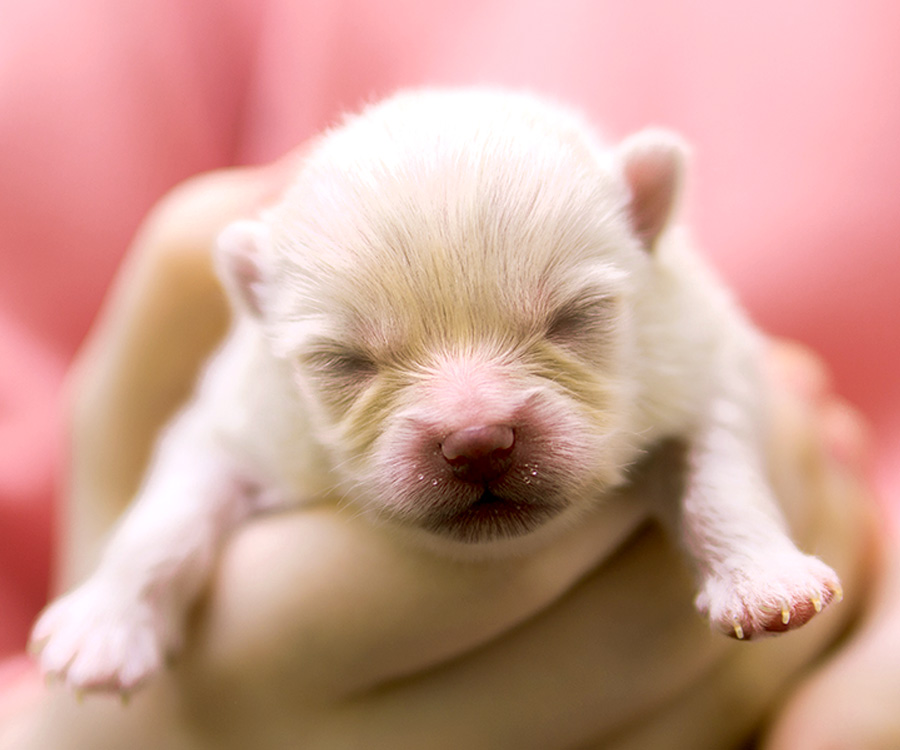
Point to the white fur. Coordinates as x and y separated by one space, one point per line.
448 260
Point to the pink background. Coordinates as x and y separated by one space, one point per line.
793 107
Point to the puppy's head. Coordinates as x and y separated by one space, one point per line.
451 278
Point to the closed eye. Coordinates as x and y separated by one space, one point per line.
341 361
341 372
581 320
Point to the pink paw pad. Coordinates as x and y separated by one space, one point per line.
760 600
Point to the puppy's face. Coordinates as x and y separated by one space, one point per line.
451 282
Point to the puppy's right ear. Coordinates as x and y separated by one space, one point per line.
239 253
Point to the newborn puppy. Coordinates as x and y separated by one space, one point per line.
469 317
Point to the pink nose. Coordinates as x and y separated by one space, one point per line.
481 453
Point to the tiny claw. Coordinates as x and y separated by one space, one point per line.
738 631
785 615
817 603
125 698
838 592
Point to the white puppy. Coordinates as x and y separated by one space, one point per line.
470 317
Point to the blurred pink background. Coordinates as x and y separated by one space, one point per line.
793 107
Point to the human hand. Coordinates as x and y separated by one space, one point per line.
317 632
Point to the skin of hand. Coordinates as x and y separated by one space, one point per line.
319 631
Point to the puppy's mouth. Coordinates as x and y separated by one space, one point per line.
492 516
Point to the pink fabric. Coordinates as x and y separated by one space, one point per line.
792 106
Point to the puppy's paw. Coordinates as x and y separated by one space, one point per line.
766 598
98 639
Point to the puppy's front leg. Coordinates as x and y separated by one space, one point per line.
115 629
753 580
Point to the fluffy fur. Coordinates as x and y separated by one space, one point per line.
469 317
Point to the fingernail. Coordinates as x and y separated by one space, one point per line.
800 371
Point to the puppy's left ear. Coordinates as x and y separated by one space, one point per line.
239 258
653 163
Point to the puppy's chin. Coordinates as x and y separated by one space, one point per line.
510 516
488 528
492 516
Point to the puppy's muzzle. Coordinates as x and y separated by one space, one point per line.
481 453
496 491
